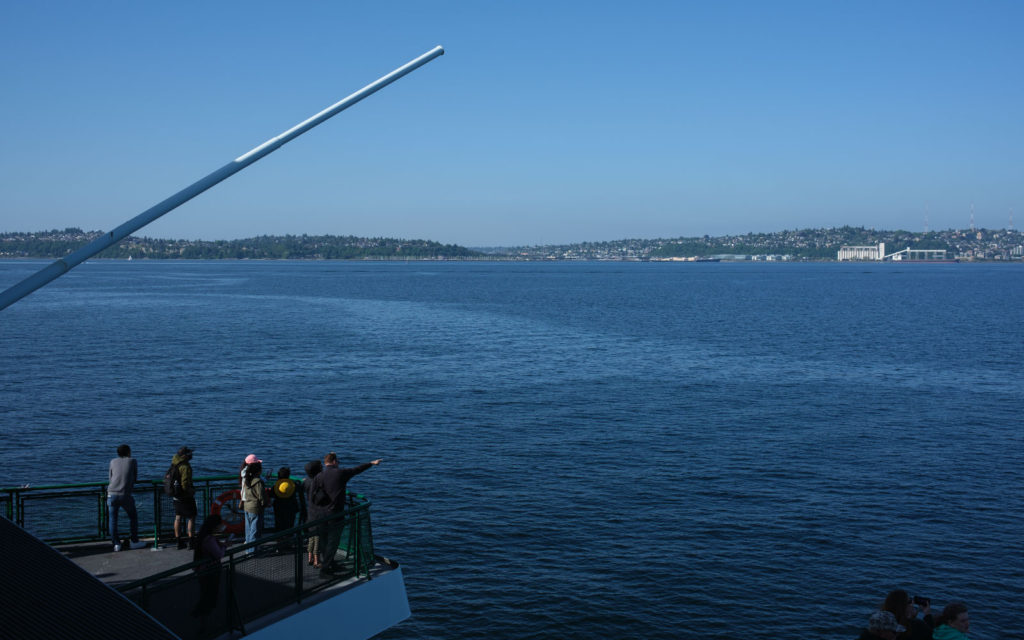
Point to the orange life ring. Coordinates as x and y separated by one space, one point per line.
232 516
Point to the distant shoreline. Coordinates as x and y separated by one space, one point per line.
783 246
752 260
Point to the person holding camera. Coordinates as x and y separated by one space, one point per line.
904 608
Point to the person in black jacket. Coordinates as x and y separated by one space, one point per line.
208 550
286 499
313 512
328 494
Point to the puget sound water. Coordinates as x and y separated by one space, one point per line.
574 450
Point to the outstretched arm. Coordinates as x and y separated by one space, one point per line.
354 471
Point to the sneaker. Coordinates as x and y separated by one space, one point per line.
117 548
138 544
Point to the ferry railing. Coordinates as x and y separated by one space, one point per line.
70 513
254 580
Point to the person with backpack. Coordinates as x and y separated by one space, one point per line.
184 493
254 499
286 499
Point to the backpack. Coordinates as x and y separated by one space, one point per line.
319 495
172 482
284 488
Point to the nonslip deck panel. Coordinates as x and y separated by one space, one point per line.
46 595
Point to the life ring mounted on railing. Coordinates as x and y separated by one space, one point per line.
231 514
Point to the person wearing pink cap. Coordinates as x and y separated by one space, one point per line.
253 498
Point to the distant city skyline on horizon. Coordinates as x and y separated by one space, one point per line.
653 120
406 238
841 243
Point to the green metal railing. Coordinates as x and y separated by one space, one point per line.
73 513
69 513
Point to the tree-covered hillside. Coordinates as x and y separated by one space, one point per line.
56 243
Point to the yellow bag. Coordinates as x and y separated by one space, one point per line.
284 488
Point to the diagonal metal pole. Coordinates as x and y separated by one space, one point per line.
73 259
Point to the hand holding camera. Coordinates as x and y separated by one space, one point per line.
924 603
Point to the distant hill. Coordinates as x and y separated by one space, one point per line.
802 244
56 244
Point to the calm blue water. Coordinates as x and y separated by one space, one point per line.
574 450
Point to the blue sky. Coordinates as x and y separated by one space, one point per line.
545 122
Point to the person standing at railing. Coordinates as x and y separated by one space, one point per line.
124 472
254 498
313 512
286 500
184 498
328 493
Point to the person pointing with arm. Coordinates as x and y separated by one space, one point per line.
330 486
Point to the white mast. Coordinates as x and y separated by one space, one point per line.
56 269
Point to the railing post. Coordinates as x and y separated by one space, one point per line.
101 513
298 554
359 543
157 516
229 593
231 607
204 507
368 539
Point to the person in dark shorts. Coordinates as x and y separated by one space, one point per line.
185 499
